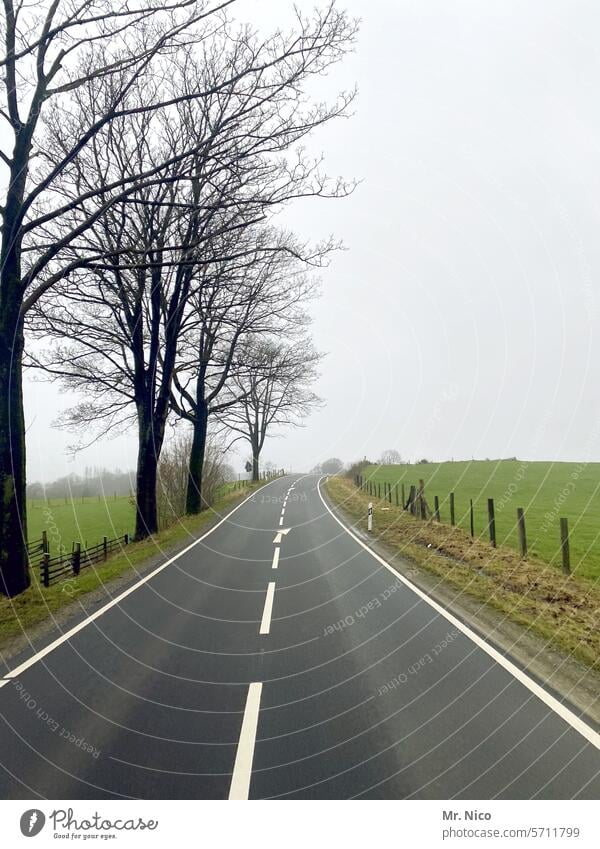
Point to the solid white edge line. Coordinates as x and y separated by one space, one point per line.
89 619
242 769
265 625
572 719
276 558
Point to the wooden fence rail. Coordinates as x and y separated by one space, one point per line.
53 569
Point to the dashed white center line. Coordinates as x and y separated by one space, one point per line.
281 521
276 558
265 625
242 770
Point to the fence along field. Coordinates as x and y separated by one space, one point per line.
68 534
546 491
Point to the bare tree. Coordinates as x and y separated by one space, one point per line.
173 476
333 466
274 390
390 457
265 293
51 50
133 268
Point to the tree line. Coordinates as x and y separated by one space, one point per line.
147 150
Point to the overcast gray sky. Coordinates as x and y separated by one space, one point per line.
462 319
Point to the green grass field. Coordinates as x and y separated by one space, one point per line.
85 520
547 492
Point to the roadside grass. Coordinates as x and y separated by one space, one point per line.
546 491
564 610
37 603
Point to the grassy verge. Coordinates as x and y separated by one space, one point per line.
19 614
564 610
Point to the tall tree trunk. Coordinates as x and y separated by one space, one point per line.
194 502
14 566
255 466
146 507
14 562
150 439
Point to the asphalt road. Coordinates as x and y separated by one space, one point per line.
298 669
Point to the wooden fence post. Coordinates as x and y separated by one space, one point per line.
105 547
492 522
45 542
412 497
423 508
379 490
76 559
452 514
564 545
396 490
45 569
472 518
403 498
125 539
390 493
436 508
522 534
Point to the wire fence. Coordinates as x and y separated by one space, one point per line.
412 500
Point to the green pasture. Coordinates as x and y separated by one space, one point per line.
85 520
546 491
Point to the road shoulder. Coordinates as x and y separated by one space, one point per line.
34 637
557 671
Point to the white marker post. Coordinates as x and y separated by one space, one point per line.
370 517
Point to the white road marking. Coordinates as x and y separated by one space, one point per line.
281 521
284 532
14 673
571 718
5 681
265 625
276 558
242 770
